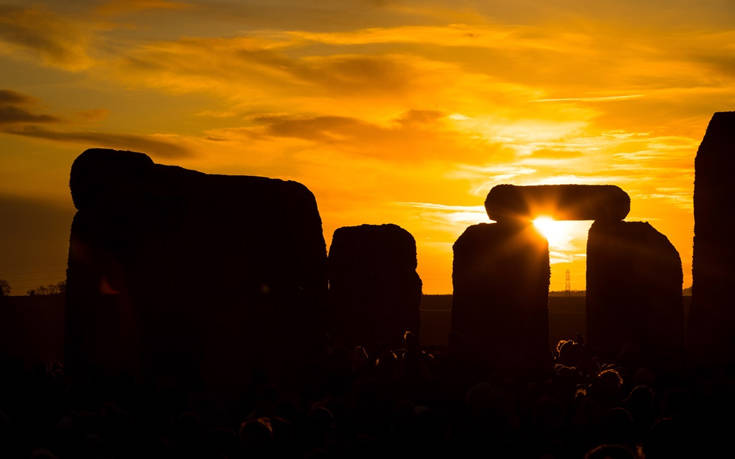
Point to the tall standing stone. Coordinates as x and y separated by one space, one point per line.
190 278
634 294
712 318
500 302
374 290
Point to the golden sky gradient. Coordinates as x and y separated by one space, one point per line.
389 111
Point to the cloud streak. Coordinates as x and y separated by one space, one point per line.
592 98
13 115
44 35
10 97
414 135
14 109
157 145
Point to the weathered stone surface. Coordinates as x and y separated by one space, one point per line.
712 318
501 285
178 274
634 295
561 202
374 290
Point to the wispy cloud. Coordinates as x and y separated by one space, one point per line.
17 117
16 108
414 135
113 7
49 37
452 218
11 115
10 97
592 98
158 145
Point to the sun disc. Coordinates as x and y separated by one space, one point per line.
549 228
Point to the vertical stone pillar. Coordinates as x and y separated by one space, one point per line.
712 317
374 290
500 303
634 295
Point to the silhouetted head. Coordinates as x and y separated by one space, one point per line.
608 383
486 401
665 440
256 435
321 418
410 340
359 358
42 454
222 443
677 403
548 414
644 376
618 427
189 434
641 403
569 352
609 452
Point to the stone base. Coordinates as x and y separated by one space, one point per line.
501 284
634 295
375 292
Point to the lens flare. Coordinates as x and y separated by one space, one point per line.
552 230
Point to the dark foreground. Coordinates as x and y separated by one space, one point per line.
405 402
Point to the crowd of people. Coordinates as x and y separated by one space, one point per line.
406 402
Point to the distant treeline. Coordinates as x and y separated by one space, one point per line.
58 288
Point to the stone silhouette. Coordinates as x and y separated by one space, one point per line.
712 318
561 202
501 271
175 275
634 295
501 285
501 278
374 290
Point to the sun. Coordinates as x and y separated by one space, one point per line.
552 230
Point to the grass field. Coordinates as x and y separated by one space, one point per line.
32 328
566 317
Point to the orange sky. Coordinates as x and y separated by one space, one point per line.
389 111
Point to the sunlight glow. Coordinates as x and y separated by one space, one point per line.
552 230
438 105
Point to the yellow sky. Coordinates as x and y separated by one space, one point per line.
389 111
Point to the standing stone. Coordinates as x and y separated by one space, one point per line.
375 292
712 317
195 279
634 295
500 302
